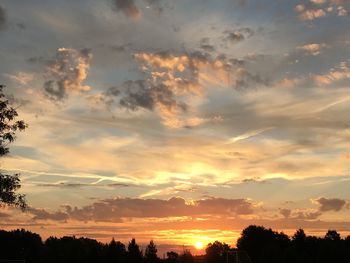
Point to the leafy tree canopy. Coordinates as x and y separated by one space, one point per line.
9 126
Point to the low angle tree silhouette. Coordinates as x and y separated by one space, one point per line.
256 244
116 252
134 252
172 257
151 253
9 126
216 252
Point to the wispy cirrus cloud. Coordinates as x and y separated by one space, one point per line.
22 78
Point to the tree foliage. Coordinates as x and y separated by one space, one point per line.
151 253
256 245
217 252
134 252
9 126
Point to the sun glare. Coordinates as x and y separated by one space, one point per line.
198 245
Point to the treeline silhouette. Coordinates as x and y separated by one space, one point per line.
256 244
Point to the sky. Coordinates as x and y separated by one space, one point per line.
178 121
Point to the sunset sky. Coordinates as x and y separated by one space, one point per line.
178 121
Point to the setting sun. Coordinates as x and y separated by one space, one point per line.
198 245
135 135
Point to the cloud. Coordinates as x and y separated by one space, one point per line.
79 185
155 5
307 215
318 2
331 204
341 72
250 134
235 36
205 45
173 80
238 35
128 7
131 10
300 214
299 8
338 75
21 77
66 72
285 212
2 18
114 210
339 2
313 48
312 14
148 95
42 214
188 73
341 11
4 215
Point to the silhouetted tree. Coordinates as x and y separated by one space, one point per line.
186 257
116 252
260 244
332 235
299 236
172 257
263 245
134 253
217 252
9 184
21 245
297 252
151 253
73 250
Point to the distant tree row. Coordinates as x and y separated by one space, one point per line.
28 246
256 244
265 245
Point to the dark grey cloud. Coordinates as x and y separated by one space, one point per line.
205 45
117 209
120 48
238 35
171 78
36 60
21 26
235 36
2 18
285 212
145 94
42 214
128 7
4 215
307 215
331 204
66 72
